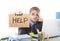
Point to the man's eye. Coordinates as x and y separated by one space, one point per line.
37 15
32 13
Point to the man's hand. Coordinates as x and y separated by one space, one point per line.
40 18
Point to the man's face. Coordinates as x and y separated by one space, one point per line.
34 15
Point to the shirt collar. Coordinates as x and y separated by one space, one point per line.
31 23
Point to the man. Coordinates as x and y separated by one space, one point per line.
35 21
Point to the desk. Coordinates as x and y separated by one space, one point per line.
28 38
24 37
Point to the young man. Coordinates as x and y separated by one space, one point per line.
34 18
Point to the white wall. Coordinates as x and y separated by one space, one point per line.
48 12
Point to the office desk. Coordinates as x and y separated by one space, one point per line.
27 38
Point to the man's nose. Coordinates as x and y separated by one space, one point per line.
35 16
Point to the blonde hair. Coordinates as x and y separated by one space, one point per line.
35 8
